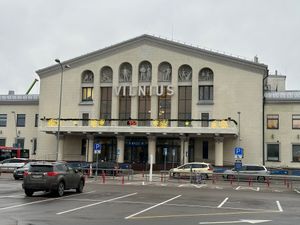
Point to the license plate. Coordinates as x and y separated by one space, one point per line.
36 176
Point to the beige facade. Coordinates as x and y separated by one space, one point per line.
237 113
12 133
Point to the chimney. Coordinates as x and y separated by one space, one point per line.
11 92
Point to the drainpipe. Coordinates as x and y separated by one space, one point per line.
263 114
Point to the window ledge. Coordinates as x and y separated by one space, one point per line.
295 161
205 102
274 161
86 103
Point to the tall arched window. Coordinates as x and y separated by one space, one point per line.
164 72
206 86
145 71
125 72
87 86
185 73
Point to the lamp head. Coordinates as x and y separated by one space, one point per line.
57 60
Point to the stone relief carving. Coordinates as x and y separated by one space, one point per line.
125 73
165 72
185 74
145 72
106 75
206 75
88 77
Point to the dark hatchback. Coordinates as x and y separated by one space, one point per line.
54 177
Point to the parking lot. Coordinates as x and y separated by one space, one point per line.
149 203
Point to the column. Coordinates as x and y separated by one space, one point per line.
151 148
186 150
219 151
90 148
120 148
60 153
182 150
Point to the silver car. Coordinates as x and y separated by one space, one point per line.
248 171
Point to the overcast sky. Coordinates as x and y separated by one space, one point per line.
35 32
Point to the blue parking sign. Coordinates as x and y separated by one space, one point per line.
238 153
97 148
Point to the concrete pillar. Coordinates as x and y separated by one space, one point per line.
186 150
182 150
151 148
60 154
120 148
90 148
219 151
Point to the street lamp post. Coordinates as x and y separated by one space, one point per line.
239 119
59 107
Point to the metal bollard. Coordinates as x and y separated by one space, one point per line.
123 179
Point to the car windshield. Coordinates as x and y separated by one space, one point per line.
41 168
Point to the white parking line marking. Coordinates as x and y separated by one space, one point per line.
11 196
297 191
45 200
258 188
222 203
128 217
238 188
279 206
97 203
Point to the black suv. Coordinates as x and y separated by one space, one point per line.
55 177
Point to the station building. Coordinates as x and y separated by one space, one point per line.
152 98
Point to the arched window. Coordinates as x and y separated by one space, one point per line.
164 72
145 71
206 74
87 77
185 73
106 74
125 72
87 86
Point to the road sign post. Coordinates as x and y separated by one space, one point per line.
97 151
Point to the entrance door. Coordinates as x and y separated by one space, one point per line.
136 150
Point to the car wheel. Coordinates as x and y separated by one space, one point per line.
79 189
28 192
60 189
261 179
16 178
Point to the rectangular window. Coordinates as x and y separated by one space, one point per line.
296 121
2 141
20 120
85 119
272 121
105 104
184 105
145 108
124 107
87 94
36 120
296 153
164 105
204 118
206 92
3 120
273 152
